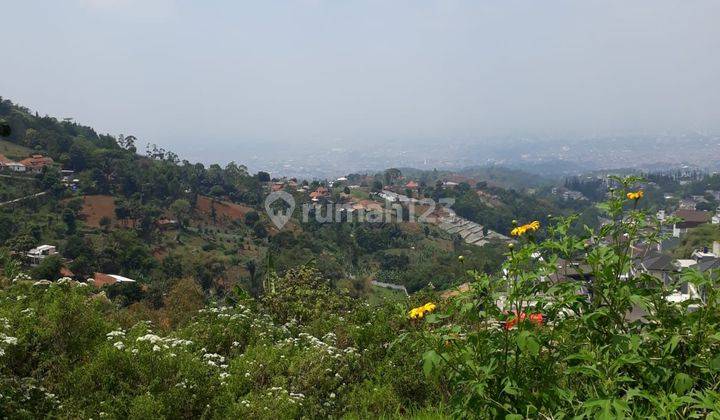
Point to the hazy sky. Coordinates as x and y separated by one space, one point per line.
216 72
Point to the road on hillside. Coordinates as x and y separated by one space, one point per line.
17 200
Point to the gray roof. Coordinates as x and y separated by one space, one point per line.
658 262
708 264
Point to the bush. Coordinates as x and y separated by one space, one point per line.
571 347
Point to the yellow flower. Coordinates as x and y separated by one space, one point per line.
521 230
420 311
635 195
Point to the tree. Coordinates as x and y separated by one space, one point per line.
49 268
217 191
105 223
70 220
707 206
125 293
180 208
83 266
377 186
255 286
391 175
251 218
183 301
260 230
76 246
80 154
51 180
263 176
5 129
21 243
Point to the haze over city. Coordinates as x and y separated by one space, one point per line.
279 84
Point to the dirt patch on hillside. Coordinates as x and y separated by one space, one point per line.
224 210
95 207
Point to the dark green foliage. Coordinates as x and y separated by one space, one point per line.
251 218
49 268
5 129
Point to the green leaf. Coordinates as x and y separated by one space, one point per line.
528 343
715 363
672 344
511 389
682 383
430 360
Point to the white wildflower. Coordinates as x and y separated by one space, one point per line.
152 338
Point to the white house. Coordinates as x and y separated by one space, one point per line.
10 165
36 255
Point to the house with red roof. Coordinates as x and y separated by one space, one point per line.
102 279
690 219
36 163
319 193
10 165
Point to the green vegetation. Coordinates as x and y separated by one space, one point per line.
514 345
697 238
222 228
14 151
231 317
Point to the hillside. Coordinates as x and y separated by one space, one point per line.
157 219
14 151
302 348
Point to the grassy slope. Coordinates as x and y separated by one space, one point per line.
14 151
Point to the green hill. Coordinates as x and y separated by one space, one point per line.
14 151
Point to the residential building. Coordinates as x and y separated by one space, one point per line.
36 163
573 195
690 219
102 279
319 193
661 266
412 185
37 255
10 165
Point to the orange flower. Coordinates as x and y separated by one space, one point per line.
536 319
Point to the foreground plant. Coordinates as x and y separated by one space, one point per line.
571 330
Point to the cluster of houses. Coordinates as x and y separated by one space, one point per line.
32 164
471 232
567 194
403 193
